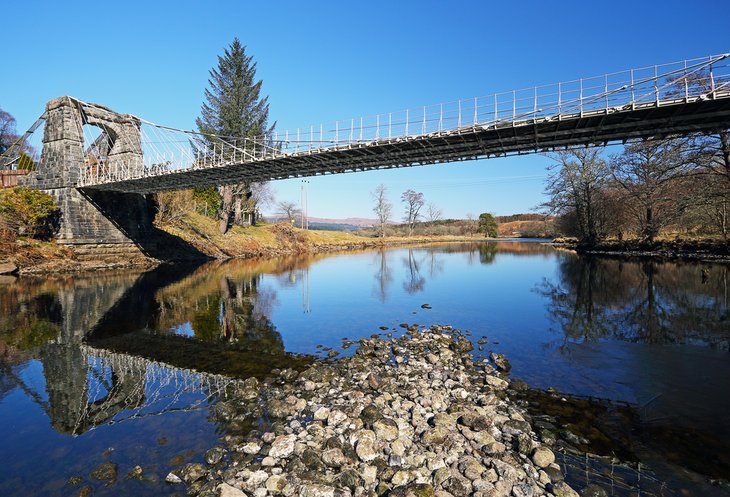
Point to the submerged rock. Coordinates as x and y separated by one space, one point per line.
501 362
214 455
85 491
135 473
106 471
75 481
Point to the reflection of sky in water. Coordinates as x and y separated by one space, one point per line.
39 453
505 300
651 334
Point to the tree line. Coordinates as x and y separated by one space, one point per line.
420 218
674 185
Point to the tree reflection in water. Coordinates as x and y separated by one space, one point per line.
414 281
646 302
383 276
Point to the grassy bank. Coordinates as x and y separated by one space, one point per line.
202 233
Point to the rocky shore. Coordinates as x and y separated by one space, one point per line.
412 416
701 250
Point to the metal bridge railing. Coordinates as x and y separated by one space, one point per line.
168 150
651 85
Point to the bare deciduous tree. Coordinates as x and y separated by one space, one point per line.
574 187
289 211
648 171
382 207
413 202
173 206
262 196
471 226
7 130
434 213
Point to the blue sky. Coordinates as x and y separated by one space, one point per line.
322 61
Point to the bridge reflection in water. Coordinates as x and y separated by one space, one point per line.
120 347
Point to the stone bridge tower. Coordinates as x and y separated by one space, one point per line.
108 221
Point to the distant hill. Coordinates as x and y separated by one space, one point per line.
346 224
360 222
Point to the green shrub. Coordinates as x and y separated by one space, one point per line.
28 212
207 200
25 163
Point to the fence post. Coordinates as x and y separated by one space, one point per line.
580 98
633 91
560 99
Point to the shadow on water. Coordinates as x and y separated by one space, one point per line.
104 351
103 357
661 329
213 319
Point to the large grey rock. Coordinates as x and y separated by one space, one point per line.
366 450
192 472
334 458
275 484
316 490
543 457
436 436
282 446
226 490
562 489
386 429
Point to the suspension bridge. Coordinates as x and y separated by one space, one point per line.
91 148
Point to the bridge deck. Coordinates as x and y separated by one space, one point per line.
598 127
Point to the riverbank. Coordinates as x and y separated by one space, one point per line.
410 416
196 237
269 240
700 250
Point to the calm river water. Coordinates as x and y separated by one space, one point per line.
124 368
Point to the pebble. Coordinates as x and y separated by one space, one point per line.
543 457
411 416
173 478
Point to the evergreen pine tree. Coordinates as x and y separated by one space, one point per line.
234 108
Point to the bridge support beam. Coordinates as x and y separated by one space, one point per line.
109 221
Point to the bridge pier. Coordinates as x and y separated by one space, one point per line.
100 222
